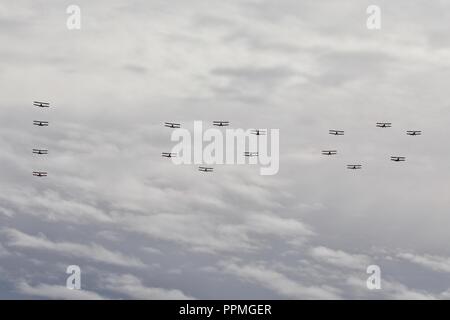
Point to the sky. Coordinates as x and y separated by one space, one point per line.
140 227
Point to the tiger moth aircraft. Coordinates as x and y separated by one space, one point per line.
205 169
168 154
336 132
251 154
40 123
40 151
258 132
398 159
41 104
329 152
384 125
221 123
39 173
354 166
414 132
172 125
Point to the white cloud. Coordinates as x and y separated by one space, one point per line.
340 258
205 232
436 263
278 282
392 290
132 287
56 292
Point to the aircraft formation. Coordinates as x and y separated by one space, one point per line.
173 125
40 123
221 123
378 125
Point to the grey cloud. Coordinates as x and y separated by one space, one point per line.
90 252
279 283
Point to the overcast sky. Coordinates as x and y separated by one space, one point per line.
140 227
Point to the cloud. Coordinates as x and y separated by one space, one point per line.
279 283
90 252
392 290
340 258
132 287
272 225
54 206
136 69
3 251
56 292
435 263
202 233
300 66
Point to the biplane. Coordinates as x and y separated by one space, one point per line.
398 159
221 123
251 154
172 125
168 154
40 123
354 166
414 132
258 132
40 151
384 125
205 169
41 104
336 132
39 174
329 152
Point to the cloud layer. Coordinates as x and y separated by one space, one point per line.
142 228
